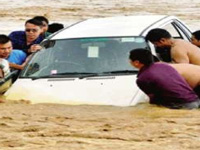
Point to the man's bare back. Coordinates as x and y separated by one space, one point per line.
190 72
185 52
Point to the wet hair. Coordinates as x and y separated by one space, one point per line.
142 55
155 35
4 39
41 18
35 22
196 34
54 27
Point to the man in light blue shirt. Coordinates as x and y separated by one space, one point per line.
16 58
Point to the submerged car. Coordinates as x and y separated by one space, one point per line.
87 63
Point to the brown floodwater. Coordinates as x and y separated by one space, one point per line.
24 126
54 126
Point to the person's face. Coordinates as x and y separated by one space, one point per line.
195 41
163 43
44 26
5 50
32 31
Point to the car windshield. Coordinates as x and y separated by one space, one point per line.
83 56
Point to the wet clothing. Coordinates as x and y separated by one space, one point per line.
18 39
190 105
17 57
165 86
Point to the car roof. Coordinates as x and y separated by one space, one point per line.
112 26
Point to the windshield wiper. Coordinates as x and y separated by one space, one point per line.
80 75
42 77
89 75
111 72
122 72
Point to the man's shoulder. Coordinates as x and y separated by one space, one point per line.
181 42
17 57
18 52
156 69
183 46
161 64
180 46
17 33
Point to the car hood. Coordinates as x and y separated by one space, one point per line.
109 90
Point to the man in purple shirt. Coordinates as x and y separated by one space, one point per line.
162 83
28 40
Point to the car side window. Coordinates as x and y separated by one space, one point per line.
183 30
172 30
177 30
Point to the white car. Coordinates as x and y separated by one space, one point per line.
87 63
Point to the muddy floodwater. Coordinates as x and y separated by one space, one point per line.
24 126
56 127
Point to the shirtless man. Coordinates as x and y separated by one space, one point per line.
181 51
191 73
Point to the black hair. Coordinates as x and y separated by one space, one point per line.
35 22
4 39
155 35
196 34
54 27
142 55
41 18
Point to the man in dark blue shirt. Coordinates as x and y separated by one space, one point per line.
28 40
162 83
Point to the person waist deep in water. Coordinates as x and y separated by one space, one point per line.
162 83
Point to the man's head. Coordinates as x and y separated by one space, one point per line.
195 39
140 57
159 37
33 29
5 46
54 27
45 22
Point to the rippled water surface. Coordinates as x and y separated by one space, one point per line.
14 12
24 126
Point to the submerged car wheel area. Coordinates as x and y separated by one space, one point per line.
87 63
